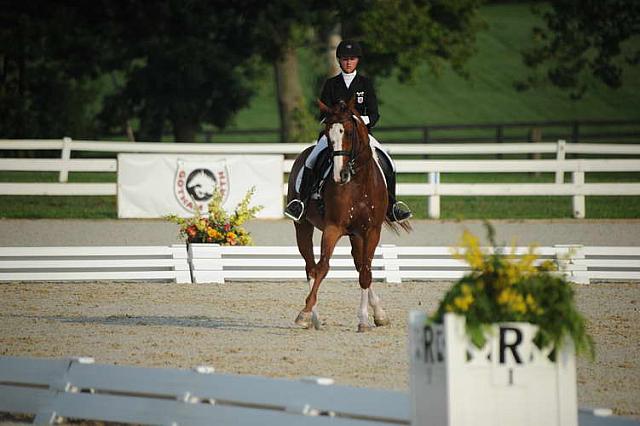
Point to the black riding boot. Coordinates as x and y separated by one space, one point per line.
397 211
296 208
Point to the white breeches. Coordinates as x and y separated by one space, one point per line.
323 143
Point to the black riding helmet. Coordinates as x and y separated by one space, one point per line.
348 48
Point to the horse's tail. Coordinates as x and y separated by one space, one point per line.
395 226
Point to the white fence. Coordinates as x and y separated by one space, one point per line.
168 263
54 389
208 263
433 188
77 388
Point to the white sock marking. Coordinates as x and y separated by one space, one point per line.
363 310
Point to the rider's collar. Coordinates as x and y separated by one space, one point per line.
348 77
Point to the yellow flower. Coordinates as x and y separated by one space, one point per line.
463 302
213 233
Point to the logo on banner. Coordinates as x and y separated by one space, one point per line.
195 184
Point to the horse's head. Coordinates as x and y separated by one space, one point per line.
347 136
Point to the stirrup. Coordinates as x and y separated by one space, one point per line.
292 215
399 205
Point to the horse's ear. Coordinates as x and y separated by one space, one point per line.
323 108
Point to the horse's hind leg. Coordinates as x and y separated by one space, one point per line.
304 238
379 315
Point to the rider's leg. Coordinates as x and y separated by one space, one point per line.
397 210
296 207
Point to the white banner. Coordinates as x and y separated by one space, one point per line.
155 185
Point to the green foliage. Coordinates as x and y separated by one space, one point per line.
48 85
217 227
502 288
402 35
585 38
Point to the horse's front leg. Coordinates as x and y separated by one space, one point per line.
304 238
330 237
367 295
358 253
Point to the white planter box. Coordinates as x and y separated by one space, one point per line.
205 261
507 382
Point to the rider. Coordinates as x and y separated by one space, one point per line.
344 86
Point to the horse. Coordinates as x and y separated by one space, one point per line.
355 203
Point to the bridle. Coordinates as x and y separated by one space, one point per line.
351 154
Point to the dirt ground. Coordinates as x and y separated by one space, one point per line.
247 328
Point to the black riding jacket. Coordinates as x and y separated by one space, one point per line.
361 89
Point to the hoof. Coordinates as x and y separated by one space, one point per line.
380 322
304 319
316 322
363 327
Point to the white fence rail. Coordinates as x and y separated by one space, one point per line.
208 263
55 389
168 263
433 189
77 388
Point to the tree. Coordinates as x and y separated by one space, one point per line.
185 63
281 27
582 39
397 35
48 82
401 35
182 63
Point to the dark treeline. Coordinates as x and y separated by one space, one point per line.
86 69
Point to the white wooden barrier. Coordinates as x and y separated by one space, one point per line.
78 388
433 189
209 263
216 264
95 263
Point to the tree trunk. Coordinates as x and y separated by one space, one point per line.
151 125
290 98
332 40
184 129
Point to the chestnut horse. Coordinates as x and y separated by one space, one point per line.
355 204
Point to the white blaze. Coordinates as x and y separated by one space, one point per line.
335 134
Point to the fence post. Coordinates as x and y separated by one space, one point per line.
579 210
206 263
181 264
391 265
561 152
570 259
433 201
65 156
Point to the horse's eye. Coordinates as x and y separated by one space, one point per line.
341 131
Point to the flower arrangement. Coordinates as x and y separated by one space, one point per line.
217 227
504 287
